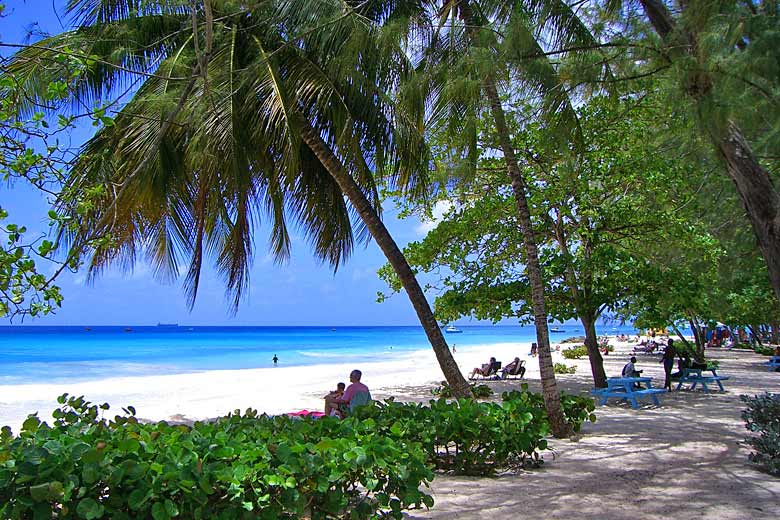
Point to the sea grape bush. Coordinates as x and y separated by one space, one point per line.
764 350
370 465
762 417
575 352
562 368
472 438
238 466
478 391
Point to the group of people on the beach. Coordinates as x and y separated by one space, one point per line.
669 355
513 368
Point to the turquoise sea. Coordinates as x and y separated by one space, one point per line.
35 354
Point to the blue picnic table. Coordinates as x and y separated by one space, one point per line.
773 364
695 377
626 388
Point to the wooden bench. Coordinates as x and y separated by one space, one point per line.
694 377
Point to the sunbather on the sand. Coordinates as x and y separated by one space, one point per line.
485 369
511 368
331 406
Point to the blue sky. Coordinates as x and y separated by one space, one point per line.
302 292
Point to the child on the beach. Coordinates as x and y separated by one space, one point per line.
331 407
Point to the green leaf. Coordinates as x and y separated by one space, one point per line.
88 508
159 512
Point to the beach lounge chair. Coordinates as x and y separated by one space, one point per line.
490 373
516 372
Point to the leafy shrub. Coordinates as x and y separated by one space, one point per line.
575 352
743 346
762 416
561 368
576 409
713 364
473 438
478 391
764 350
237 466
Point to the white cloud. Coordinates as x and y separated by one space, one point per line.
440 209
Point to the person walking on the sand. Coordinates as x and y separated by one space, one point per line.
668 360
275 359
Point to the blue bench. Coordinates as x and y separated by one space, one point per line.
773 364
625 388
694 377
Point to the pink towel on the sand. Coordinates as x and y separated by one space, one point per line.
306 413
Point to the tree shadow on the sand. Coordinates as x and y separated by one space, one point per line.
682 459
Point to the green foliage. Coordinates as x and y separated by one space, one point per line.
762 417
562 368
575 352
576 409
478 391
477 438
764 350
238 466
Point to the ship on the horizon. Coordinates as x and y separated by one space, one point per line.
169 325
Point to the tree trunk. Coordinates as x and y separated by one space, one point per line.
579 296
701 339
552 398
760 198
368 214
592 344
533 268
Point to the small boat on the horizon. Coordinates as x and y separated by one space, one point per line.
128 329
168 325
557 329
452 329
87 329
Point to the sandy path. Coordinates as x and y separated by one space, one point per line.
681 460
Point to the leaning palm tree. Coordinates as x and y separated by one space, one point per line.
486 41
244 111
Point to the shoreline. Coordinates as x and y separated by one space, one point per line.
207 394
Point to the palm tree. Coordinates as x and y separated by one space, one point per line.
273 110
477 34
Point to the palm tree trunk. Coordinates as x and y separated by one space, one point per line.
368 214
756 189
533 268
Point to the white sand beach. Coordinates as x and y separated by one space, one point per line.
281 389
683 459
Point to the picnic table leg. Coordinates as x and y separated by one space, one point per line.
634 404
679 385
704 385
655 400
720 385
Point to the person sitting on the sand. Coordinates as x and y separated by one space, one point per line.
512 368
484 370
356 393
331 407
534 349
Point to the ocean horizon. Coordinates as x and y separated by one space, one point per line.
57 354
